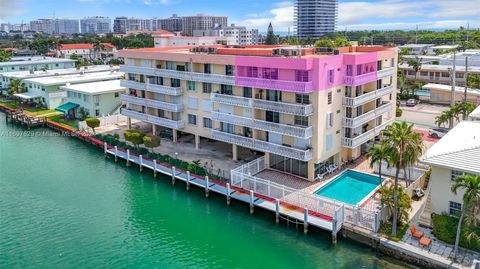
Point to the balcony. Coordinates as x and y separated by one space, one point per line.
231 100
232 138
362 138
183 75
153 119
298 154
360 79
295 109
366 117
151 87
367 97
273 84
284 129
386 72
152 103
294 153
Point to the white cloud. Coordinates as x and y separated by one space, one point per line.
441 24
10 8
281 17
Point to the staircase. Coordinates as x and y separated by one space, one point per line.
426 217
115 110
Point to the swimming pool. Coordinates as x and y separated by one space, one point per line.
349 187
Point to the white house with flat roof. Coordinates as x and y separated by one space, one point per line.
442 94
5 78
475 115
457 153
417 49
35 63
96 98
47 90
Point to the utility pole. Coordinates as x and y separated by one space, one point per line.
466 79
416 34
453 76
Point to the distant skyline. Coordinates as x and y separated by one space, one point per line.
353 14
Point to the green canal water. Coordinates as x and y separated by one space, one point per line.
62 205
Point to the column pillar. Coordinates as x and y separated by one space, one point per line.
235 152
197 142
129 122
154 129
267 159
174 135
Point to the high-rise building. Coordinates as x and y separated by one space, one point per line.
122 25
42 25
65 26
302 112
5 27
172 24
95 25
315 18
240 34
22 27
202 22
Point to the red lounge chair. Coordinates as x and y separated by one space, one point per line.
415 233
425 242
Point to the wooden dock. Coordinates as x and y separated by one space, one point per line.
17 116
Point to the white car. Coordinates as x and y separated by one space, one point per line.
437 132
411 102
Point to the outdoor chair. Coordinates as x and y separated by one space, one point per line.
415 233
419 192
425 242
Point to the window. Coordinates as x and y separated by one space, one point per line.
329 98
247 92
192 102
329 142
206 87
459 75
302 98
252 71
454 208
411 73
445 75
226 89
207 68
207 123
96 100
301 120
272 116
191 85
192 119
331 76
175 82
454 174
229 70
424 73
301 75
97 112
270 73
206 105
329 120
170 65
117 94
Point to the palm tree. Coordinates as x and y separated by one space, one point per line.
16 86
97 48
404 201
377 155
416 65
465 108
5 56
470 184
405 146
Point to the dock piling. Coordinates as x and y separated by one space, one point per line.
154 168
174 173
228 193
116 153
128 157
188 181
305 220
140 165
105 148
277 211
252 197
206 186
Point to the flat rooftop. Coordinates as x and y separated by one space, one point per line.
448 88
442 67
75 78
51 72
98 87
34 60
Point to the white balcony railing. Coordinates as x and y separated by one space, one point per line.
274 84
295 109
183 75
364 137
294 153
232 138
151 87
231 100
153 119
284 129
366 117
386 72
152 103
367 97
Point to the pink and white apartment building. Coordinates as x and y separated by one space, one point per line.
303 108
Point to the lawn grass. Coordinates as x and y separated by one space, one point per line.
61 120
445 229
10 104
386 229
39 111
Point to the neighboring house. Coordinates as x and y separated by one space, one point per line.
35 63
439 74
5 78
305 109
47 90
164 38
86 51
457 153
442 94
475 115
96 98
417 49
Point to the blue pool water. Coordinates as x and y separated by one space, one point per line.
423 93
349 187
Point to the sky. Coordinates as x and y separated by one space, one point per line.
352 14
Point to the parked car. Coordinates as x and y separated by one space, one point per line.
411 102
437 132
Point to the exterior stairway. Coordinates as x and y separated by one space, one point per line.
425 219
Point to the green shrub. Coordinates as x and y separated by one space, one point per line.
398 112
92 123
134 136
445 229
